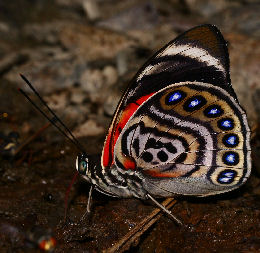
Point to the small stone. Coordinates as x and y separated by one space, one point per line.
141 16
91 8
244 19
256 99
92 81
48 69
91 43
4 27
77 96
11 60
207 8
77 113
112 102
244 69
131 59
110 74
122 63
89 128
69 3
57 101
44 33
25 127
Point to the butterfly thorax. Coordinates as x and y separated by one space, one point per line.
116 182
112 181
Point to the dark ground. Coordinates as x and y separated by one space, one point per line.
81 55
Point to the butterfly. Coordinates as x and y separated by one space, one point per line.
178 128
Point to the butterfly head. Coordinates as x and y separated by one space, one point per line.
82 164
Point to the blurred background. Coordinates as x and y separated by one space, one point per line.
81 55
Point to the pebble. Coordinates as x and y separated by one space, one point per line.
10 60
57 101
97 81
207 8
48 69
77 95
111 102
91 8
46 33
242 19
244 69
69 3
4 27
77 113
127 19
89 128
256 99
92 80
92 43
110 75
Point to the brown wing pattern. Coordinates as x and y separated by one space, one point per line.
188 130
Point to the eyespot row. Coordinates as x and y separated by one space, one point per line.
196 102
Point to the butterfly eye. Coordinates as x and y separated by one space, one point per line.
83 167
83 164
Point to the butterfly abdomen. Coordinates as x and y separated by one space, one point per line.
116 182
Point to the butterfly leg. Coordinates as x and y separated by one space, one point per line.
89 202
89 198
165 210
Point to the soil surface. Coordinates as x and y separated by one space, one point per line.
81 55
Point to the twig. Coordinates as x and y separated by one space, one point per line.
125 243
30 139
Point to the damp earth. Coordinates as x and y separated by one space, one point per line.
80 55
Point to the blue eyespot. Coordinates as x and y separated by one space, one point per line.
194 103
230 158
83 164
174 97
213 111
231 140
226 176
226 124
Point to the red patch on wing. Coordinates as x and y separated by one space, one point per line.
106 150
113 134
129 164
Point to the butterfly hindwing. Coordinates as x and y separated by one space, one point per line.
187 131
199 54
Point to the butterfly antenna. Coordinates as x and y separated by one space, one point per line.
55 118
